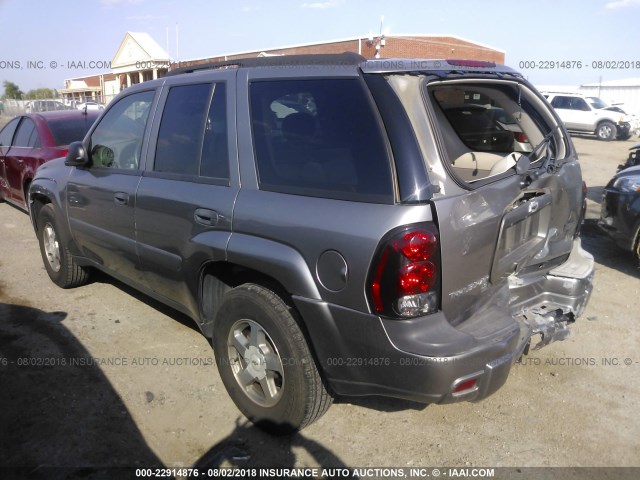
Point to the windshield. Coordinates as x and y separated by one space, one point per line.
596 102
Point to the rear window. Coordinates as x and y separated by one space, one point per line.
486 127
70 130
320 138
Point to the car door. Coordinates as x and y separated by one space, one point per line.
25 153
186 195
574 112
101 197
6 139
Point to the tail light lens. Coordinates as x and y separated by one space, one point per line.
521 137
405 276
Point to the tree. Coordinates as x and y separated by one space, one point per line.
41 93
11 90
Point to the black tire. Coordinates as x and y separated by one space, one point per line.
58 261
277 386
606 131
636 249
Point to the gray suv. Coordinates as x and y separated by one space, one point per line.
335 226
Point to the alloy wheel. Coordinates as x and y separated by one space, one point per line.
51 247
256 363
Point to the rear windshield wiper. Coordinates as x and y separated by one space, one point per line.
546 166
544 142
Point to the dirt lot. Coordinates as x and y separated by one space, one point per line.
103 376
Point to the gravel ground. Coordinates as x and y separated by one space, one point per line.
102 376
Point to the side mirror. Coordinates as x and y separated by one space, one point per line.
77 155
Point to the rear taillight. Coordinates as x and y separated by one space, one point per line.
405 277
521 137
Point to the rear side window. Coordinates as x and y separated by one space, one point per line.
320 138
6 135
193 134
27 135
570 103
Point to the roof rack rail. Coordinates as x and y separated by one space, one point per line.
346 58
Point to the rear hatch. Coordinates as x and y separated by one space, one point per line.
508 187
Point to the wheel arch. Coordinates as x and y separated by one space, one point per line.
26 182
37 197
41 193
606 120
219 277
635 241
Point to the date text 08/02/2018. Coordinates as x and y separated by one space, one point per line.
579 64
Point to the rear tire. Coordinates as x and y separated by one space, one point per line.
265 363
58 261
606 131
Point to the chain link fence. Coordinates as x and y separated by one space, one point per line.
10 107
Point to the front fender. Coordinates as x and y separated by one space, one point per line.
43 191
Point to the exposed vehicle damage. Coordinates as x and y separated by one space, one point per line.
406 228
508 204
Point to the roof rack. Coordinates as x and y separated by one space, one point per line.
346 59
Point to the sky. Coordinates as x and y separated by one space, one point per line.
66 33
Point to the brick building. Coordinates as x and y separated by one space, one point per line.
92 88
385 46
138 57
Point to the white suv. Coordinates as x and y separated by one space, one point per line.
587 115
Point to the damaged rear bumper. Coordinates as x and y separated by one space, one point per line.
556 300
428 360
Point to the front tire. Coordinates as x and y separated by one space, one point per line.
58 261
606 131
265 363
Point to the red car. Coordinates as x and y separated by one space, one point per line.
27 141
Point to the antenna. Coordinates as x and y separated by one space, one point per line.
381 41
177 44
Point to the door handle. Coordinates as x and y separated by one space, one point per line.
206 217
121 198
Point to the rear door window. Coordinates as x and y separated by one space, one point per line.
193 132
6 135
320 138
27 135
